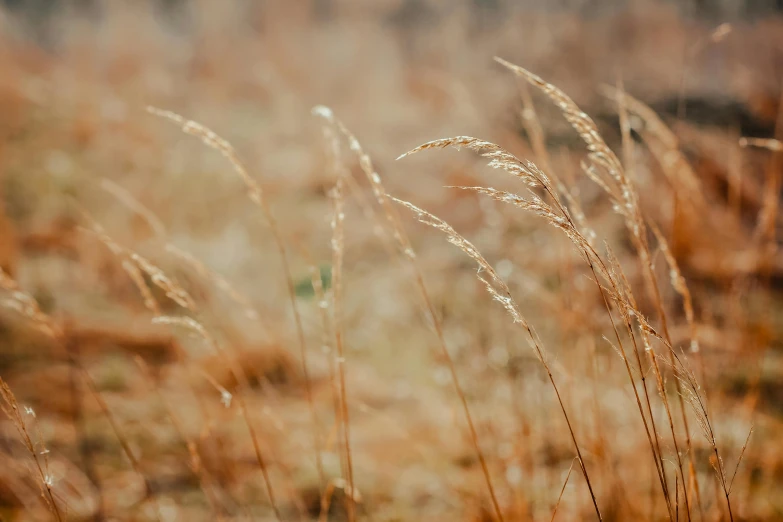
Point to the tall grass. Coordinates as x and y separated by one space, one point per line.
605 169
645 345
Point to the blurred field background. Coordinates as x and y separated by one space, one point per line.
137 420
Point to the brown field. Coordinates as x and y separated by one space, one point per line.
222 299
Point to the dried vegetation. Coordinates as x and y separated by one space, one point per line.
254 327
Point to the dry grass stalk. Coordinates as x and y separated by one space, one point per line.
30 308
677 497
194 460
400 236
26 305
158 277
562 490
533 128
327 337
156 225
226 397
331 326
379 191
559 217
11 409
149 492
537 139
179 295
739 459
692 393
138 280
339 168
536 135
626 305
127 263
613 178
646 331
500 292
620 189
621 282
338 251
681 287
663 144
212 140
73 353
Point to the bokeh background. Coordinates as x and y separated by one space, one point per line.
77 147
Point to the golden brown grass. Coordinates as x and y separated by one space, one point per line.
650 311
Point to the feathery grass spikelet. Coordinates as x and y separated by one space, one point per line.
499 158
212 140
580 121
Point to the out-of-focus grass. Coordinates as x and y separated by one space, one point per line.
398 74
